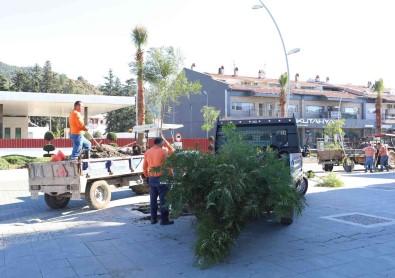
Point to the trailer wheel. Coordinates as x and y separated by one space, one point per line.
56 202
98 194
302 186
328 167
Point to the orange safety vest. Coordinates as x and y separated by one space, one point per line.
76 123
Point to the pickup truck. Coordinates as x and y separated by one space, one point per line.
280 134
89 178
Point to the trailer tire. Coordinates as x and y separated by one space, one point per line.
98 194
56 202
328 167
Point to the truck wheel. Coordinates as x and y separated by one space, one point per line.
98 194
56 202
302 186
328 167
287 217
391 159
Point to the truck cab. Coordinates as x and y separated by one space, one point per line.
280 134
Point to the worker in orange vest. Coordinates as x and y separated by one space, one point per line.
369 152
154 157
383 153
77 131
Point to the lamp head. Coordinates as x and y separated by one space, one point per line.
256 7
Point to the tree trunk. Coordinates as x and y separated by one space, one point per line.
282 103
378 114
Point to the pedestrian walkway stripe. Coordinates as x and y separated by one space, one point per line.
361 219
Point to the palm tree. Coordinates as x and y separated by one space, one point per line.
378 87
139 37
283 80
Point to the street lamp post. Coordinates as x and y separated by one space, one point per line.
207 106
285 52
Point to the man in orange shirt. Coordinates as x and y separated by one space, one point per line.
383 153
77 130
154 157
369 152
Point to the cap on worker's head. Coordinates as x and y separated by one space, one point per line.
158 140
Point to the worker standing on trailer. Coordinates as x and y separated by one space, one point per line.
77 131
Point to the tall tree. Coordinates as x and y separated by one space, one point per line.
3 83
283 81
35 76
378 87
21 81
139 37
168 83
120 120
48 78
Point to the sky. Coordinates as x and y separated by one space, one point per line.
351 42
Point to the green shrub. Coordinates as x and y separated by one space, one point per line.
211 139
47 154
331 180
49 148
4 165
228 190
17 159
210 147
115 145
111 136
97 134
310 174
49 136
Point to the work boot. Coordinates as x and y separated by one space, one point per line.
366 170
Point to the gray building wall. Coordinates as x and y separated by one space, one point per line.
188 113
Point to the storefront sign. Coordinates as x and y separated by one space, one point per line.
349 123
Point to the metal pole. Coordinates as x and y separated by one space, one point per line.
285 54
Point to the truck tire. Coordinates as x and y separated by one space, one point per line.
98 194
328 167
302 186
348 166
56 202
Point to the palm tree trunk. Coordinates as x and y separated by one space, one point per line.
282 103
378 114
140 88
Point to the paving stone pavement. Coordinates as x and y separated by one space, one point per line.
36 241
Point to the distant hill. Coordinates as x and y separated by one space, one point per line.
9 71
61 83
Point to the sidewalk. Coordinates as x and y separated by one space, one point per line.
345 232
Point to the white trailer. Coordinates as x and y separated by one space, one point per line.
74 179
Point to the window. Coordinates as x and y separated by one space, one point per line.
18 133
243 106
292 109
7 133
371 110
314 109
266 109
351 110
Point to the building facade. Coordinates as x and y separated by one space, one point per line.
313 103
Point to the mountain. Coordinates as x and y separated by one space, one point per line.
9 71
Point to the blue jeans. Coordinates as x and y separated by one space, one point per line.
79 141
158 189
369 163
384 161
